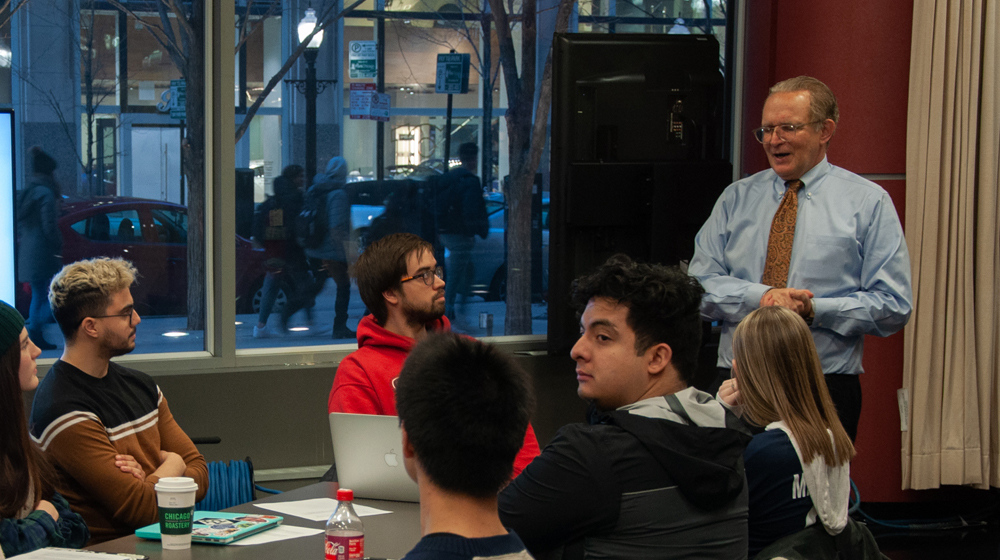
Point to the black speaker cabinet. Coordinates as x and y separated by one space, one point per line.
637 151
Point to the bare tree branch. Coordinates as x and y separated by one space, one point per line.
241 31
163 41
280 74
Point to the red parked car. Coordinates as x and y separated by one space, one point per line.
152 234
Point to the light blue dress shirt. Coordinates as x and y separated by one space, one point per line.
849 250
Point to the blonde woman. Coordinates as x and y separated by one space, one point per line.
798 469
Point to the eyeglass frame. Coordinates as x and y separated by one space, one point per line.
130 314
761 132
437 271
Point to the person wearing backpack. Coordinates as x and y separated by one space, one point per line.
323 229
461 217
274 230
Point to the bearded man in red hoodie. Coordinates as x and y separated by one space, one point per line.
401 284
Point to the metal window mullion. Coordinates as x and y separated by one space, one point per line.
220 165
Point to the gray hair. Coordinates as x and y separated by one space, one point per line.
822 103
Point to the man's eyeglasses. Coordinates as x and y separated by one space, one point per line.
427 276
130 314
763 134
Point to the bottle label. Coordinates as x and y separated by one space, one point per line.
345 548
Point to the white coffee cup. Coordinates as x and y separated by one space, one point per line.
175 498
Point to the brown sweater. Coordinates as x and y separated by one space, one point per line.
81 423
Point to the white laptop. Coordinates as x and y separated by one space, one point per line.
368 452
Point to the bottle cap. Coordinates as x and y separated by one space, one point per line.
345 495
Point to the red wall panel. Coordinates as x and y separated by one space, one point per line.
861 49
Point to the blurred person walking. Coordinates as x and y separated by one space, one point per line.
326 208
274 230
39 254
461 216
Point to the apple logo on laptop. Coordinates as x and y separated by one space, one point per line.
390 459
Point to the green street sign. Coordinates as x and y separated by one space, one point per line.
452 73
363 59
178 99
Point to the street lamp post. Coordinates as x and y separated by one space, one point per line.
311 87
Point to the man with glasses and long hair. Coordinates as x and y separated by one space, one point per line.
811 237
402 285
106 428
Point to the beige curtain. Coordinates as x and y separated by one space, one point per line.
950 364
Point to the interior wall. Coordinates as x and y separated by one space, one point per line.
861 49
278 417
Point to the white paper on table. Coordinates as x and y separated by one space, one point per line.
279 533
316 509
65 554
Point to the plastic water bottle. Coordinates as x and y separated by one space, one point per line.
345 534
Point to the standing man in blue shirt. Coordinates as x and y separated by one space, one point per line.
810 236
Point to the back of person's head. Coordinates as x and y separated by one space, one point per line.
290 172
663 304
822 102
382 265
780 378
41 162
465 408
468 153
22 466
84 289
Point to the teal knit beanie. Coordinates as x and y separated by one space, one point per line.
11 325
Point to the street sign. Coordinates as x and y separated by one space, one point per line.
363 59
368 104
452 73
174 100
380 107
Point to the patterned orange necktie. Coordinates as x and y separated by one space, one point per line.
779 244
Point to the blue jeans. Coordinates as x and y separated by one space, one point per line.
39 313
269 293
459 270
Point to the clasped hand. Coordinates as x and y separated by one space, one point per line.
799 301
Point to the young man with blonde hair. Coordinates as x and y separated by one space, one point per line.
106 428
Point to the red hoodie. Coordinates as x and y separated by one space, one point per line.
365 382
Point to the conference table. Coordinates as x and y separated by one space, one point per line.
386 536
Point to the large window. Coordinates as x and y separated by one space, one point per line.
114 91
100 90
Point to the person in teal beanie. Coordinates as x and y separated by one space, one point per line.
32 514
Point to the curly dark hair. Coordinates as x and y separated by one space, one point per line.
663 306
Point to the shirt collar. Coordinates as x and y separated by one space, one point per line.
811 178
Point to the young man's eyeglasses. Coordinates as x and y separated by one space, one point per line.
427 276
784 131
130 314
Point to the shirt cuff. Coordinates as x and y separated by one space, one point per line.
754 294
823 311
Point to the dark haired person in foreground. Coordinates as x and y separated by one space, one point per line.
400 282
657 472
106 428
463 407
32 514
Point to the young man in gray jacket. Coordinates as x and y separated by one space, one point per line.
657 471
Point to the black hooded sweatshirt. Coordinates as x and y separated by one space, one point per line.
661 478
